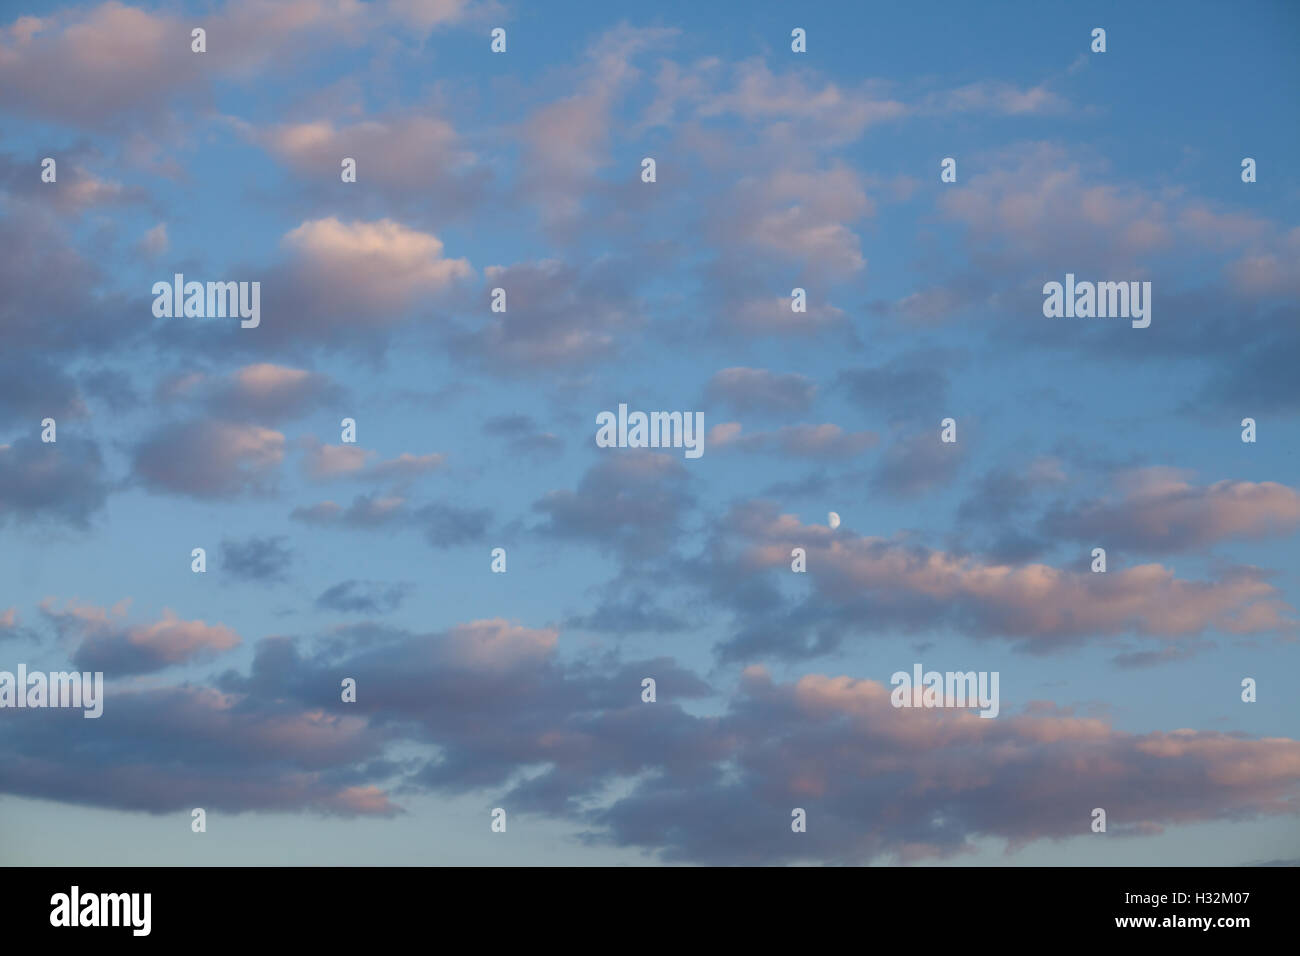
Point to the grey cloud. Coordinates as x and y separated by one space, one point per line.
206 458
261 560
632 503
61 480
363 597
918 462
750 390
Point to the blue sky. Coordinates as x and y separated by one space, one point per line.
475 430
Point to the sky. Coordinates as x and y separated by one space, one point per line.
775 169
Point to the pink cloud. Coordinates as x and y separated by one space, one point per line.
1043 605
1161 512
106 641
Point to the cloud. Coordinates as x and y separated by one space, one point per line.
631 503
406 153
339 284
1012 207
864 584
62 481
324 462
773 315
407 466
112 63
174 748
904 785
487 697
1160 512
944 302
111 59
1170 653
1003 491
785 221
365 511
798 107
750 390
154 242
427 14
383 264
204 458
266 392
1011 210
76 190
637 613
43 315
998 98
363 597
565 142
997 501
829 442
557 317
443 525
509 426
446 526
526 439
1264 271
1258 377
109 644
909 387
34 388
263 560
111 386
917 463
9 627
797 216
407 157
762 187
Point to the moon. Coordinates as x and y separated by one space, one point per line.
833 519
